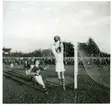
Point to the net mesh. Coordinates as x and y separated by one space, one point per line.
94 65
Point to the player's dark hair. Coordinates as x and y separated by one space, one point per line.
56 38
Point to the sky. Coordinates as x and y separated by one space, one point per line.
30 25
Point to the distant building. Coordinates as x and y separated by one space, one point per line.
6 51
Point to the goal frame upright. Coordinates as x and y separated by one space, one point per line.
75 64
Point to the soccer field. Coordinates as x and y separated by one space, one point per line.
88 90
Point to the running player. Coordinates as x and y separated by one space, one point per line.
36 73
57 50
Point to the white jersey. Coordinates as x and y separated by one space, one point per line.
59 58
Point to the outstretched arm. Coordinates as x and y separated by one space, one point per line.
46 67
41 68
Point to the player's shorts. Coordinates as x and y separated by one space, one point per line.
60 67
39 79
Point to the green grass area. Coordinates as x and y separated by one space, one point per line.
88 90
50 72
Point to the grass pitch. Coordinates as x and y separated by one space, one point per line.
88 90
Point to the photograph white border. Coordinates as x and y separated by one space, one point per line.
1 43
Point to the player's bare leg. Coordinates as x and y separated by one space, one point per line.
59 77
40 81
63 80
45 89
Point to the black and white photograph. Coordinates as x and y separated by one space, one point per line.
56 52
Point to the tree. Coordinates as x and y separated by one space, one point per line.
92 47
36 53
68 52
68 49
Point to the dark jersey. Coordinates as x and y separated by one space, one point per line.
37 70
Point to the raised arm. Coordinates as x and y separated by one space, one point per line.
62 48
53 50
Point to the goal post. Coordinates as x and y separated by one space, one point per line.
75 64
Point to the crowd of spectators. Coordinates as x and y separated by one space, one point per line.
43 61
51 61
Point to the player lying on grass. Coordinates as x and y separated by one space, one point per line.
36 74
57 50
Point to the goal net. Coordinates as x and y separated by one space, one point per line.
93 67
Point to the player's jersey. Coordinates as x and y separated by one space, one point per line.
37 70
58 56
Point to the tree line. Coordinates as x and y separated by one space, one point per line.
68 52
90 47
